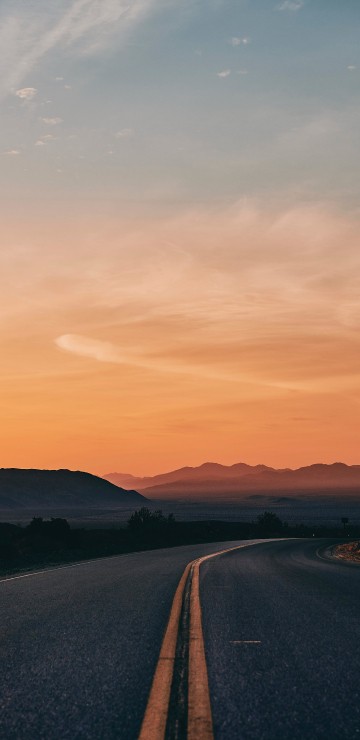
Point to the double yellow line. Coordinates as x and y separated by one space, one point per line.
199 722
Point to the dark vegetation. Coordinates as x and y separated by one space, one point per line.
45 543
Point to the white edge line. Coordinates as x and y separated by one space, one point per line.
97 560
72 565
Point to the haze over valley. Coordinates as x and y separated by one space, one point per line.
240 492
221 482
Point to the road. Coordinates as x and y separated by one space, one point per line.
79 646
301 680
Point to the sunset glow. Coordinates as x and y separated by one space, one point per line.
179 235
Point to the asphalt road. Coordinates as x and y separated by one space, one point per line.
79 645
300 678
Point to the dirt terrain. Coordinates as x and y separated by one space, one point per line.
348 551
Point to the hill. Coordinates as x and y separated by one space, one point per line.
212 480
37 490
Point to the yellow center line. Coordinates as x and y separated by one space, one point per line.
154 723
199 707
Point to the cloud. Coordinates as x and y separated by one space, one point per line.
52 121
87 347
239 41
291 5
78 26
125 133
12 152
107 352
351 67
39 142
235 316
26 93
224 73
245 292
101 351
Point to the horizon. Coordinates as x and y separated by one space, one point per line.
179 234
241 462
187 467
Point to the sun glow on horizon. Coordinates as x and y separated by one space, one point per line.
179 234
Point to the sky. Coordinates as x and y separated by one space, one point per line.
179 233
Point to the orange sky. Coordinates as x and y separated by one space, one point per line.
179 233
144 344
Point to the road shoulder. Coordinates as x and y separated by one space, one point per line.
348 551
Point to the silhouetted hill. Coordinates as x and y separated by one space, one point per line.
35 490
212 480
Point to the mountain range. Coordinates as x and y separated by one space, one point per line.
212 480
64 491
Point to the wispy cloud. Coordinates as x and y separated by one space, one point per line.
183 310
84 26
239 41
224 73
52 121
101 351
107 352
208 294
93 348
125 133
26 93
12 152
290 5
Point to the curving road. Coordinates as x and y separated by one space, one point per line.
79 645
299 679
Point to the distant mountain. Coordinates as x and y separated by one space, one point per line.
209 470
212 480
38 490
